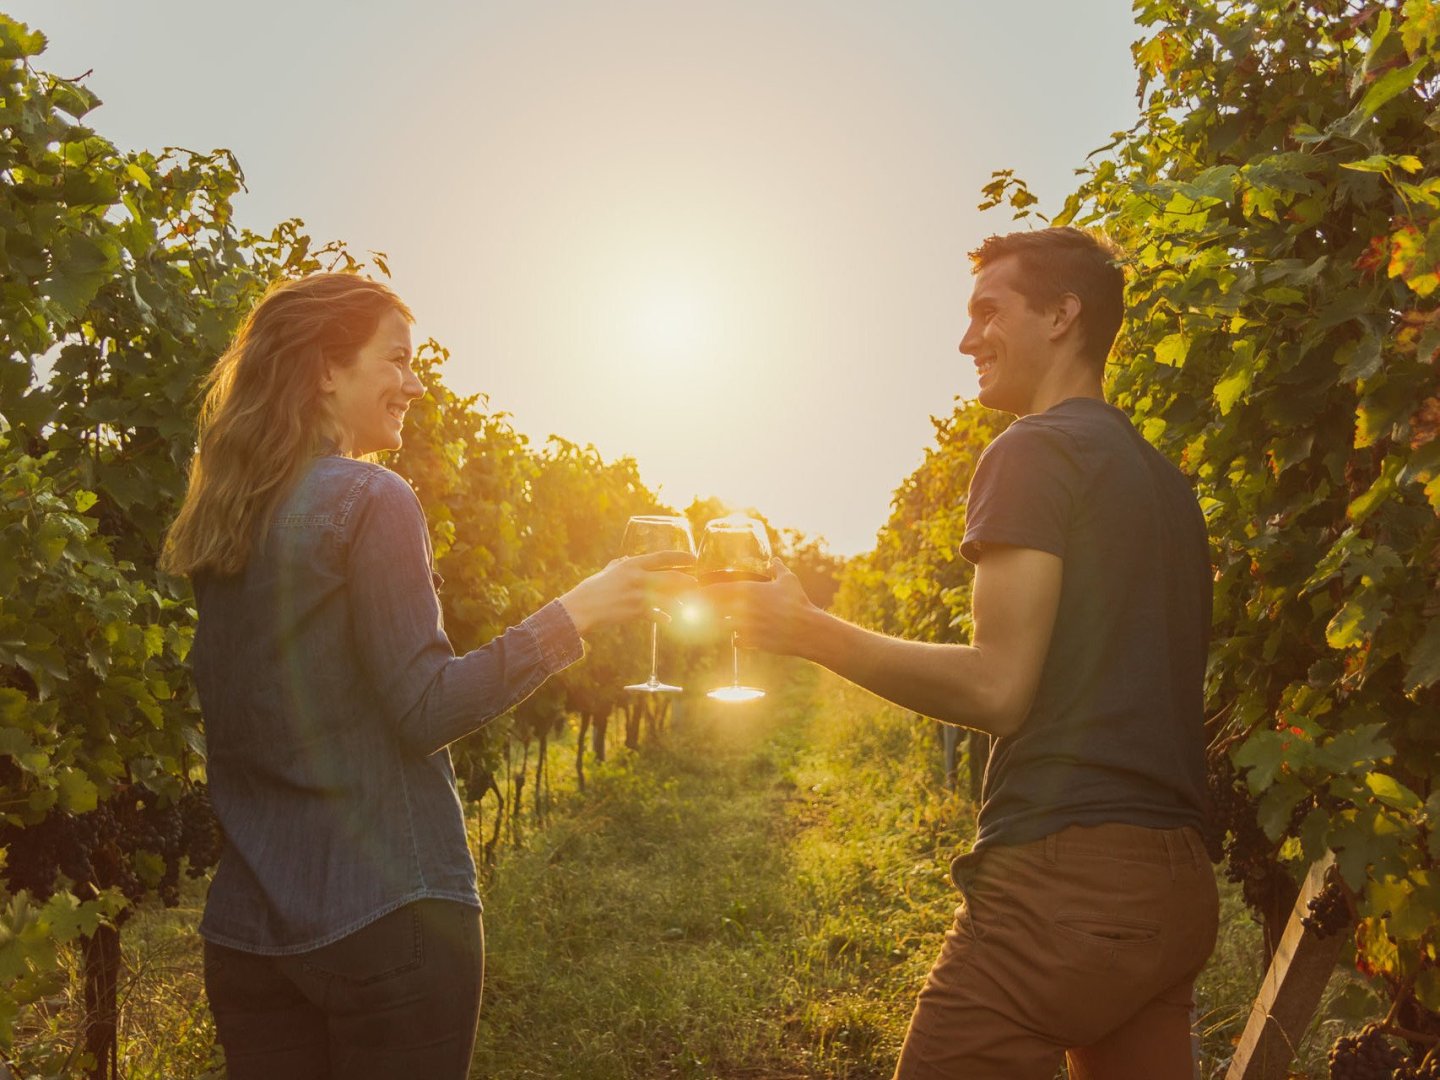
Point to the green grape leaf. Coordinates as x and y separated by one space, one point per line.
1360 359
1172 350
78 793
1262 755
1351 841
1423 659
13 704
67 918
1232 387
1353 623
73 98
81 266
1380 163
1354 749
1277 804
17 41
16 744
1387 87
1391 792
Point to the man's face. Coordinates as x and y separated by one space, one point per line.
1009 340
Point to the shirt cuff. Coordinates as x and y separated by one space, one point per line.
554 632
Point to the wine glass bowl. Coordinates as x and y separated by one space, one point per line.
650 534
734 548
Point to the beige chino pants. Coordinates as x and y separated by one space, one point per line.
1081 947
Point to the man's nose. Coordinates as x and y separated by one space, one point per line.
970 342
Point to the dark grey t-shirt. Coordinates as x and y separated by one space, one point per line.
1116 732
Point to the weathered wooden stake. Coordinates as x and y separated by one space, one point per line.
950 749
1291 990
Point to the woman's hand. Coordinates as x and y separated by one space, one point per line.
628 589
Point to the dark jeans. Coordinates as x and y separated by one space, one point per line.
398 1000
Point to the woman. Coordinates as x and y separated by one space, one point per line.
342 929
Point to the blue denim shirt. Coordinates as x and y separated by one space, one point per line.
329 693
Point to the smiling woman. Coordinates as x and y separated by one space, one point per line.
366 400
342 929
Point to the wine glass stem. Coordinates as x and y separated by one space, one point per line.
735 655
654 652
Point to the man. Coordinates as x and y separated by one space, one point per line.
1089 903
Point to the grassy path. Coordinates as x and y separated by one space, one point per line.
721 906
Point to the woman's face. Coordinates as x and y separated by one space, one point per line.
368 398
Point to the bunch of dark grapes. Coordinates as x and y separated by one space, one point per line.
158 830
1234 832
96 850
1365 1055
200 831
1429 1069
35 856
1329 911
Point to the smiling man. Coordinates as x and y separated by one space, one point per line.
1089 902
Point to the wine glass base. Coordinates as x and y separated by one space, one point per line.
654 686
736 693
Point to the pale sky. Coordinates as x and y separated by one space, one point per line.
725 238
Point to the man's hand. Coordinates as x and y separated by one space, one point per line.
775 616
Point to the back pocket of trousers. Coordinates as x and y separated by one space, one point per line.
1106 928
388 946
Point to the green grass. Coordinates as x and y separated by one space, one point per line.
756 896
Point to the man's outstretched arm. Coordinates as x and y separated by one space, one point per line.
988 684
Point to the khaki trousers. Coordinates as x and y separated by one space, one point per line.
1081 947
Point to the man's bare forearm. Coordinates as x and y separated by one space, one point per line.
951 683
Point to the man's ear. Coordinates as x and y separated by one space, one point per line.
1064 316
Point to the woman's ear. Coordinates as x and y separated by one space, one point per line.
327 377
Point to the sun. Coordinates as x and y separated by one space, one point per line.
671 318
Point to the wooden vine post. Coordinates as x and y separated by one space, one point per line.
1291 991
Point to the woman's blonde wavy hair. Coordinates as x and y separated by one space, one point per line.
264 416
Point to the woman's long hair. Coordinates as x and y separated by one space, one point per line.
264 417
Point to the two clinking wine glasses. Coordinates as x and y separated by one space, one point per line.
731 549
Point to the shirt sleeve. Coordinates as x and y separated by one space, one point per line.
1024 491
431 695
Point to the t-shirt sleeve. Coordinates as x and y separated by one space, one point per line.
1024 491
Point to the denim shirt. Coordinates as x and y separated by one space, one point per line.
329 693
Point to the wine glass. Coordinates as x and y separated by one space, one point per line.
646 534
734 548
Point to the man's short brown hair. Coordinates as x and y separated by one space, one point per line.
1064 260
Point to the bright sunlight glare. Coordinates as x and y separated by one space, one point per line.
671 321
